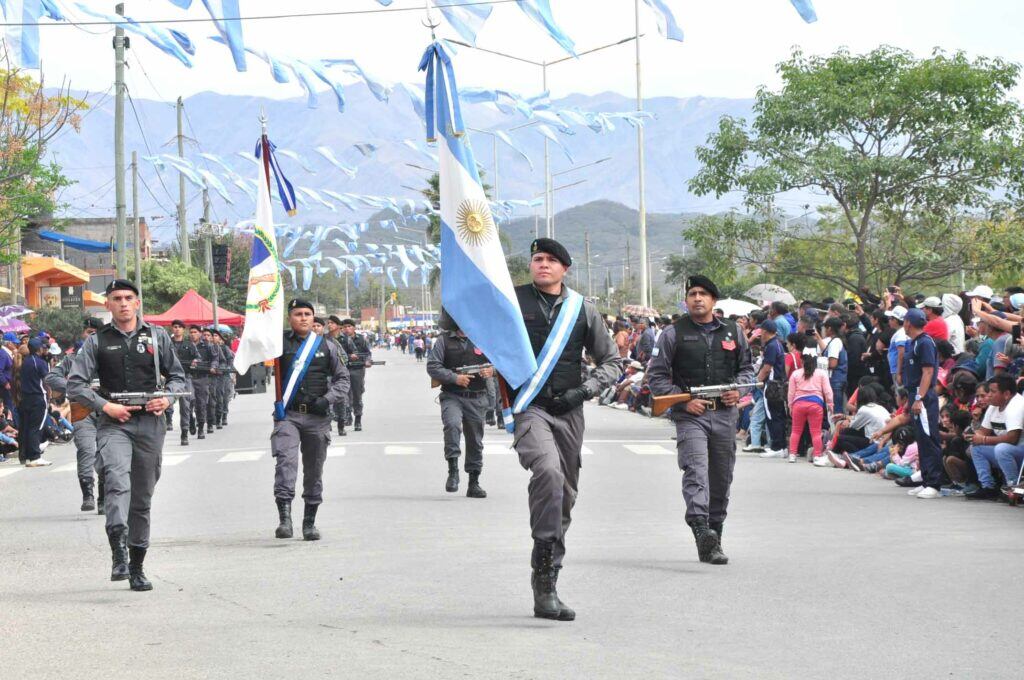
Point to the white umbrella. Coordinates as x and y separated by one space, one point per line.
731 307
769 292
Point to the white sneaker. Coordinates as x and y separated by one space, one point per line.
929 492
822 461
772 453
752 448
916 490
38 462
792 458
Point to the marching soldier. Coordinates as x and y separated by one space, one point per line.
85 428
303 417
340 408
185 350
549 433
124 355
464 399
222 380
202 379
701 349
359 359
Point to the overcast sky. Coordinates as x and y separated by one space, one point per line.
731 46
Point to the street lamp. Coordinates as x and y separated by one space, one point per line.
544 84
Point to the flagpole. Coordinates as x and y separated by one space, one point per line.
265 157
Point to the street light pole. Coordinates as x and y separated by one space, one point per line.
642 207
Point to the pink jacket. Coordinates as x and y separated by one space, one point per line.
815 386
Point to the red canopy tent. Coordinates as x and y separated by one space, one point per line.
193 308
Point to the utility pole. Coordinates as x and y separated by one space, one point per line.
348 310
629 270
590 278
547 166
119 203
494 141
207 228
136 228
642 209
186 254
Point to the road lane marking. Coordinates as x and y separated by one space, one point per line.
587 451
9 471
67 467
242 456
175 460
649 450
402 451
335 451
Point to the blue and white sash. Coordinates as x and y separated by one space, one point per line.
296 373
549 354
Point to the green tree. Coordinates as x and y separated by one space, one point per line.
904 147
64 325
165 282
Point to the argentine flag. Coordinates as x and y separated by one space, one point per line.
476 288
263 335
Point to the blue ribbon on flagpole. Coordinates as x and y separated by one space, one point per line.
284 188
442 105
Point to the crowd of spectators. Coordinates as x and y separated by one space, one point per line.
836 375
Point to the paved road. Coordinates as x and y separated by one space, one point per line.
832 574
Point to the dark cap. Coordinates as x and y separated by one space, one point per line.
35 344
915 317
551 247
196 326
300 304
319 320
93 322
768 327
121 284
701 281
178 322
348 322
335 318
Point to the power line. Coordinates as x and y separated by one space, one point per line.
313 15
151 194
145 141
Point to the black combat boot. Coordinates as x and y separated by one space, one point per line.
137 580
359 424
100 510
88 502
565 612
309 530
218 420
224 419
184 437
706 539
500 420
118 554
341 429
348 417
545 599
718 556
284 513
475 490
192 426
209 428
489 417
452 485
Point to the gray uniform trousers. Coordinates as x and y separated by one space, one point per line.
223 386
493 395
85 448
464 412
201 404
550 448
706 447
357 385
132 454
312 435
185 407
340 409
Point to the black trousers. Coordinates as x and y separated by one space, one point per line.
30 428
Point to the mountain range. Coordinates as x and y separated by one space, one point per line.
226 125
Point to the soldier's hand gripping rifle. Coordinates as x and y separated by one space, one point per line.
464 370
143 398
661 404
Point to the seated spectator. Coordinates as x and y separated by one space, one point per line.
810 397
903 461
956 455
854 433
875 456
996 445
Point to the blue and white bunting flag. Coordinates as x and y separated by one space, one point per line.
667 24
263 336
806 10
476 288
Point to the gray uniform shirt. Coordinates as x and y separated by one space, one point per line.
57 378
435 360
339 383
659 369
83 369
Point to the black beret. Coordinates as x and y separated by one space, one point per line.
178 322
121 284
319 320
553 248
348 322
208 329
701 281
93 322
217 333
335 318
300 304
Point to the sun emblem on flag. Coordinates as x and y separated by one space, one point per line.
474 222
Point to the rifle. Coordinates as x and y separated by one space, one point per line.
476 369
661 404
205 368
142 398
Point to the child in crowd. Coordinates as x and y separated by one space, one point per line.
956 455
